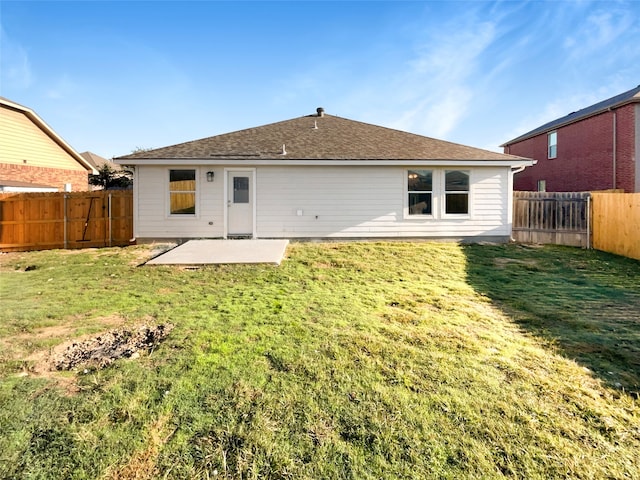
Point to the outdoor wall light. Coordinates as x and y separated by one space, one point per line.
209 176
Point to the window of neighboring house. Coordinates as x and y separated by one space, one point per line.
456 192
420 190
182 192
552 141
542 185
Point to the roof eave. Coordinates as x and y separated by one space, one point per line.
511 162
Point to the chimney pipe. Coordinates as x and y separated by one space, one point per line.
320 111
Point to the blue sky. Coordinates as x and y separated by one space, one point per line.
110 77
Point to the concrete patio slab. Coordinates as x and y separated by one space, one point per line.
204 252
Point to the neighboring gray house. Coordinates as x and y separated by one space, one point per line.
322 176
96 161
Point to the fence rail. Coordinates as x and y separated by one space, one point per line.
41 221
545 217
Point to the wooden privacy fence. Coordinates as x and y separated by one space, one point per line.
558 218
616 223
41 221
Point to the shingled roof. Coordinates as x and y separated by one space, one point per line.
319 137
97 161
630 96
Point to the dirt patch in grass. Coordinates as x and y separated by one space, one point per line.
92 351
101 350
35 346
143 253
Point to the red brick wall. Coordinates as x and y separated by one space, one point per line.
625 138
54 177
584 157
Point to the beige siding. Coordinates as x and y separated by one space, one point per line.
334 201
370 202
152 219
23 143
304 202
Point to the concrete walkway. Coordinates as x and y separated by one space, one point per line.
203 252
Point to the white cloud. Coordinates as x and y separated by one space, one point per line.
600 30
437 114
437 87
15 68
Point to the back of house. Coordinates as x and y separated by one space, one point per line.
322 176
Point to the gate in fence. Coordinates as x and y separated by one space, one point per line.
552 217
41 221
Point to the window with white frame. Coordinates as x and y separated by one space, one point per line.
542 185
420 191
552 143
182 192
456 192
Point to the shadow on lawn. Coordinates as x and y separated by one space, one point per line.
587 303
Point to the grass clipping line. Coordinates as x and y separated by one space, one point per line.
102 350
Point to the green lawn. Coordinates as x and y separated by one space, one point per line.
349 360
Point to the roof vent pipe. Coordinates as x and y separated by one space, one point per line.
320 111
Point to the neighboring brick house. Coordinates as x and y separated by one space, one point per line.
596 148
33 157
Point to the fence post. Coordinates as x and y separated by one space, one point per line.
109 222
64 207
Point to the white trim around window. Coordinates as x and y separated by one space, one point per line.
182 193
542 185
456 194
419 193
552 144
426 196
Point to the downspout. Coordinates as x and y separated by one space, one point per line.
135 201
615 147
510 203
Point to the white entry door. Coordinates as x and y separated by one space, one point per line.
240 200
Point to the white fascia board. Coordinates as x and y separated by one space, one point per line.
320 162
